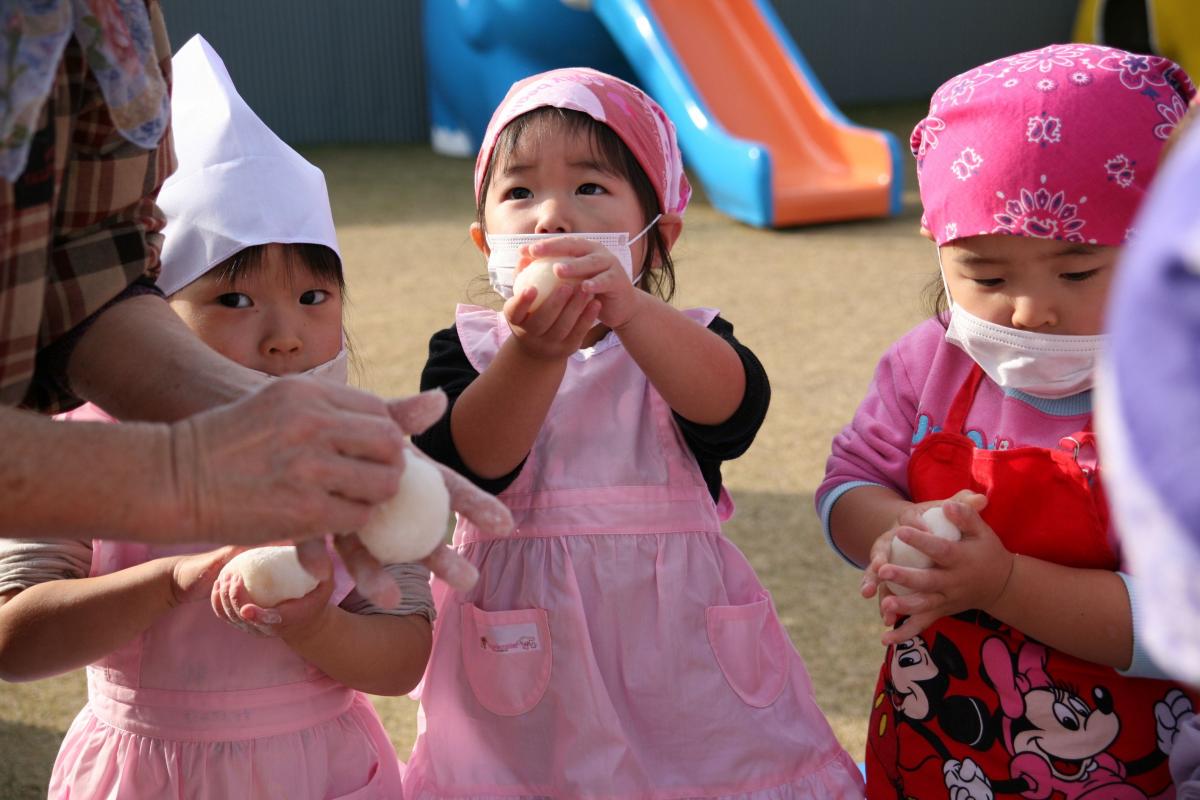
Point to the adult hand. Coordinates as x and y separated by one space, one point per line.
303 457
298 458
413 415
468 500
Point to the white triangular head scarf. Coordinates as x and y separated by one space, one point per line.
238 184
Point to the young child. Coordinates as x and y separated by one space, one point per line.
182 704
1013 668
618 645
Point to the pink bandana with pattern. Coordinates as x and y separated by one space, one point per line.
1057 143
642 125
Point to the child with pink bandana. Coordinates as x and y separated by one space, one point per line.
618 645
1013 666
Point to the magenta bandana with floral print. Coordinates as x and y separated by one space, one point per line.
1057 143
642 125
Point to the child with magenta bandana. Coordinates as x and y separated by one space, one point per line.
1013 666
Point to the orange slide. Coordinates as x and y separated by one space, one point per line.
752 117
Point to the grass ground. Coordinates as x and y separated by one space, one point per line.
818 305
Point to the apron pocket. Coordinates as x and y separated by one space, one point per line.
507 657
373 788
749 644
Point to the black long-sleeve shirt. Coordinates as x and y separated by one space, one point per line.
449 369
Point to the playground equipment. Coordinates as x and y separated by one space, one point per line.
1168 28
754 123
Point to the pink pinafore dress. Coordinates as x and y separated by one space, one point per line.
618 645
194 708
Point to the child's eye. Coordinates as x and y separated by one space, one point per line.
591 188
235 300
991 283
314 297
1076 277
518 193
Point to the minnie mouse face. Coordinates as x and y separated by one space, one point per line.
1062 729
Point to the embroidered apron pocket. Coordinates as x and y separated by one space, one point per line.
507 657
749 644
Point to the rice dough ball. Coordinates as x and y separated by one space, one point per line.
272 574
540 275
411 524
904 555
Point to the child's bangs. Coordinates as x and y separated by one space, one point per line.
302 261
528 133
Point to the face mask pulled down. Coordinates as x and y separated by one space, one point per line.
335 370
1045 365
503 253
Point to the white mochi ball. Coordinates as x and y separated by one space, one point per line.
540 275
411 524
904 555
272 574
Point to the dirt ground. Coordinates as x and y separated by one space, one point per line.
818 305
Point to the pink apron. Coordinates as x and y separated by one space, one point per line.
618 645
194 708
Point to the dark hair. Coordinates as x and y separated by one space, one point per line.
610 152
318 259
936 302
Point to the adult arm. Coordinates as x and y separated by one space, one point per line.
138 361
294 460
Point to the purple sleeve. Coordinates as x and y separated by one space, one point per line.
873 450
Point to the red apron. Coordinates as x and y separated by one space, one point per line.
974 709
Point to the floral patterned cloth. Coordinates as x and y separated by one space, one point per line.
118 41
1056 143
79 223
640 122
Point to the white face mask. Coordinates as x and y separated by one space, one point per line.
1046 365
503 256
336 369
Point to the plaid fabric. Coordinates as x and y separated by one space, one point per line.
78 227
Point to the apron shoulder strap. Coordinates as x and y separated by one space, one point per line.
956 420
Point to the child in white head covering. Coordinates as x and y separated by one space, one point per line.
181 704
240 207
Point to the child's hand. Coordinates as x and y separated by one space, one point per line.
971 573
557 327
290 619
600 273
910 517
192 576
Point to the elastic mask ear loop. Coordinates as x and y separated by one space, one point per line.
942 272
642 233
